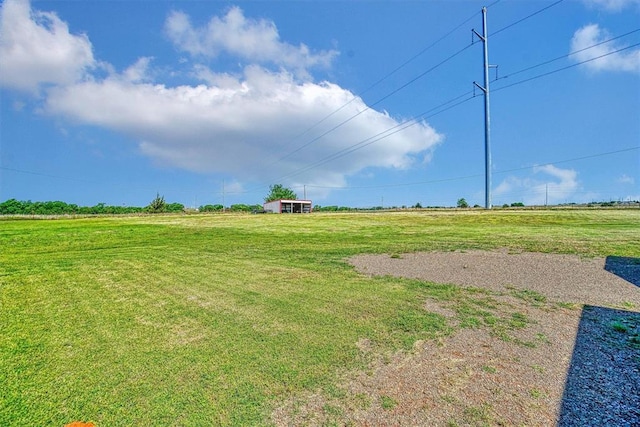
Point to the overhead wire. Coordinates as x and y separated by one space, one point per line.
76 179
413 121
384 134
519 21
477 175
450 104
568 54
355 97
361 144
376 83
441 108
566 68
370 107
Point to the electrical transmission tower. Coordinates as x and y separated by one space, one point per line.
487 122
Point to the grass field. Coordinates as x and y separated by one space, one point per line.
214 319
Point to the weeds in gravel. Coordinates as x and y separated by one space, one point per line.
528 295
387 403
628 305
537 394
538 368
474 308
362 401
478 415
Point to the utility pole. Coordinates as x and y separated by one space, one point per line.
546 194
223 195
487 129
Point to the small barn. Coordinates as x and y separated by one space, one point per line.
288 206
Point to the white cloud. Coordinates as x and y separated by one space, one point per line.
36 47
254 40
612 5
626 179
138 72
592 34
559 186
244 126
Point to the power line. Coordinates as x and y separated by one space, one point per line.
46 175
591 156
453 103
477 175
383 78
566 68
568 54
525 18
78 180
413 121
397 90
382 135
441 108
369 107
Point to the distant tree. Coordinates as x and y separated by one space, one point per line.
240 207
174 207
157 205
417 206
279 192
210 208
462 203
13 207
517 205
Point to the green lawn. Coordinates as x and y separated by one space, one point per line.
214 319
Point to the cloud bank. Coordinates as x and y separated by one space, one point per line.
245 125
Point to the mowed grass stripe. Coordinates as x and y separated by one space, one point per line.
211 320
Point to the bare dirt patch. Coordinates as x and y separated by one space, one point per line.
477 377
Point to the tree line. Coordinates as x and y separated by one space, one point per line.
157 205
19 207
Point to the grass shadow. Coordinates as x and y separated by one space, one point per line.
603 382
627 268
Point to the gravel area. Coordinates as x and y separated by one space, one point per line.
566 278
577 363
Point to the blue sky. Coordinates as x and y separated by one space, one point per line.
356 103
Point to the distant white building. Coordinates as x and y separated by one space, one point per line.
288 206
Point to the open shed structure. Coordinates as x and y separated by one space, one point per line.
288 206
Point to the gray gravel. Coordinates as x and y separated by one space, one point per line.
563 278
